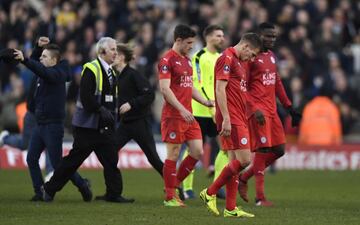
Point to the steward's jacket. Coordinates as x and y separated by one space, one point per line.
95 91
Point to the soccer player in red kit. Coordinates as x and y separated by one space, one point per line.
231 121
267 137
178 125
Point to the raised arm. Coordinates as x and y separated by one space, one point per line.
54 74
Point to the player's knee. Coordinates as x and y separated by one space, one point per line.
196 153
244 162
173 156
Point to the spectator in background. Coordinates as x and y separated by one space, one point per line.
8 101
66 16
321 123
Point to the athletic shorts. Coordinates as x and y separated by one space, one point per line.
238 139
207 125
177 131
269 135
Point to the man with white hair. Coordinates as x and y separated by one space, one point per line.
94 123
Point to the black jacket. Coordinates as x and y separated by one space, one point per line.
30 103
134 88
50 93
87 96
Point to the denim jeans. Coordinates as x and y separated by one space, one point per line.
21 141
49 136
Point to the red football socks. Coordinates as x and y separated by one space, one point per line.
259 172
186 166
231 189
270 159
169 171
232 169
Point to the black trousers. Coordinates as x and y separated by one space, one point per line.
140 131
85 142
208 128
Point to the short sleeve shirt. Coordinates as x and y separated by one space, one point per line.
178 69
229 68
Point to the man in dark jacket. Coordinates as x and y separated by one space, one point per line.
135 96
49 100
94 125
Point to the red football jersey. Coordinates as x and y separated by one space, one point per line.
264 84
228 67
178 69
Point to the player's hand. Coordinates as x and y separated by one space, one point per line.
124 108
43 41
106 116
209 103
18 55
295 117
188 116
225 128
259 116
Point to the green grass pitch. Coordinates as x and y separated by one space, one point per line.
300 197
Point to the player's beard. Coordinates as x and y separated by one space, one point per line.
219 47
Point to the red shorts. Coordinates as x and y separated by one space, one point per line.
177 131
269 135
238 139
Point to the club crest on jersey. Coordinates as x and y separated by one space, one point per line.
172 135
244 141
226 69
272 59
164 69
263 140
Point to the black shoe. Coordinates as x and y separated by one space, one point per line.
85 191
100 198
180 192
45 196
36 198
118 199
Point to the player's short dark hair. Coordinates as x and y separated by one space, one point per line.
126 50
264 26
211 28
253 39
54 50
183 31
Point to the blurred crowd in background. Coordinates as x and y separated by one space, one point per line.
318 48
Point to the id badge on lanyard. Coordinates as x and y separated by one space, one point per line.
109 98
